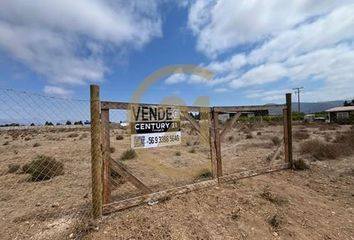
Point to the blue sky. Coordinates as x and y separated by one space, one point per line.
257 50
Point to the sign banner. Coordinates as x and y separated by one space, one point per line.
154 126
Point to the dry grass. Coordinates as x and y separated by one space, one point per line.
192 150
342 146
276 141
112 149
249 136
119 137
328 127
275 221
128 154
73 135
13 167
203 174
320 150
301 135
272 197
43 168
301 165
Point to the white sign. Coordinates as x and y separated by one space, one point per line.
151 140
154 126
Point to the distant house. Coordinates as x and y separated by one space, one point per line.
341 114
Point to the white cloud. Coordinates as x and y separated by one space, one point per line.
221 90
187 78
57 91
292 43
260 75
64 41
268 95
176 78
223 24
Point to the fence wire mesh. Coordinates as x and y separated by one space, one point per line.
45 166
253 141
46 181
158 168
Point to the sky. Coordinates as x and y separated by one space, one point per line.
256 50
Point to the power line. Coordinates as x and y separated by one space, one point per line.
298 91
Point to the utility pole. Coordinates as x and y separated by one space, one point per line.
297 91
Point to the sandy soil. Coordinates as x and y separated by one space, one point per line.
314 204
319 202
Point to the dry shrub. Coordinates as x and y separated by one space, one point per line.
301 165
36 145
272 197
343 145
328 127
84 135
275 221
203 173
112 149
6 143
73 135
128 154
196 142
276 140
230 138
259 133
301 135
192 150
13 167
320 150
249 136
178 153
119 137
43 168
27 138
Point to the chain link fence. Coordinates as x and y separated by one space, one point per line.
46 174
158 168
45 181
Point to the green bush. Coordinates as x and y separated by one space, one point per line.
43 168
128 154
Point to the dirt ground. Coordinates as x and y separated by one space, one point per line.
313 204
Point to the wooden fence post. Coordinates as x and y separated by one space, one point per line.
214 165
217 144
96 152
106 152
288 134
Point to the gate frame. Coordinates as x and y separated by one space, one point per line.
102 164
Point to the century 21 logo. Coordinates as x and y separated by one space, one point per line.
189 69
201 101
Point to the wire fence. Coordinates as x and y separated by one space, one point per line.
45 175
45 159
158 168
